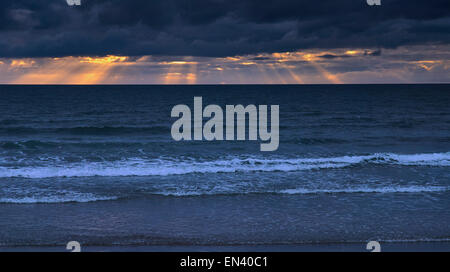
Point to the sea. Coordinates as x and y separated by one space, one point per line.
98 165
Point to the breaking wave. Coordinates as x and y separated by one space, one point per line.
67 198
164 167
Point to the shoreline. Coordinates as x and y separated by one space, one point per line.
343 247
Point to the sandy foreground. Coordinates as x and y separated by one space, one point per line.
350 247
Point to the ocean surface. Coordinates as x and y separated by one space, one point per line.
97 164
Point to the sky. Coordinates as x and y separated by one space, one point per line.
224 42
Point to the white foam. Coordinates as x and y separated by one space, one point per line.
66 198
163 167
433 159
388 189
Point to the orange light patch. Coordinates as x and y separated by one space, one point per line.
70 70
177 63
233 58
103 60
352 52
247 63
428 64
22 63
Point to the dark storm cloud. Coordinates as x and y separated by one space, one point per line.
333 56
31 28
375 53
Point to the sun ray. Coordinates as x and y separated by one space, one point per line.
294 76
69 70
192 75
263 72
277 74
332 78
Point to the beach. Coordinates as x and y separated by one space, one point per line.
388 247
98 165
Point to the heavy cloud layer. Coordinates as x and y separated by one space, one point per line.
215 28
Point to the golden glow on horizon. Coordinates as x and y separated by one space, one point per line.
22 63
180 72
352 52
273 69
103 60
298 67
95 70
70 70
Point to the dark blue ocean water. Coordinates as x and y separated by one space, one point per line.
97 164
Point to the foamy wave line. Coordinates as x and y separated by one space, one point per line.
389 189
305 191
164 167
73 197
427 240
79 198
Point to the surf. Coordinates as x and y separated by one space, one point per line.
165 166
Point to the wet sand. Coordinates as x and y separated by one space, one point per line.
350 247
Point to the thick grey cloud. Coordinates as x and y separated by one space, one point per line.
31 28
